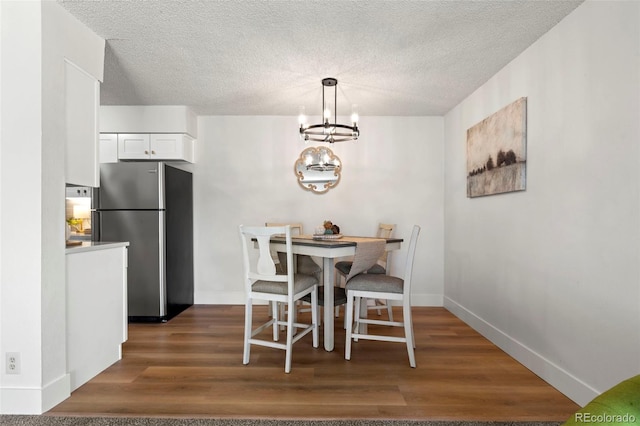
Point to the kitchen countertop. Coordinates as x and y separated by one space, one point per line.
95 245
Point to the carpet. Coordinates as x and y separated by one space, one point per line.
10 420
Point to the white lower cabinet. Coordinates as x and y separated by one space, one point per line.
96 308
156 146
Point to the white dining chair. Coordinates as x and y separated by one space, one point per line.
262 282
303 264
381 286
381 267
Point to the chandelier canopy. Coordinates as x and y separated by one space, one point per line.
327 131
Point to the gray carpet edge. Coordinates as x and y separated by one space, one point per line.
49 420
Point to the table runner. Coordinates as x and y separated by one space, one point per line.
344 238
368 251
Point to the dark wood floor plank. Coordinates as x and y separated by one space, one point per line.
192 367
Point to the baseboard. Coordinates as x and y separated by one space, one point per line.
35 400
563 381
55 392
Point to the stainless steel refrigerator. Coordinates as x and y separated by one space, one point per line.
150 204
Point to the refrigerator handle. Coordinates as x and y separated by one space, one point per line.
160 171
162 268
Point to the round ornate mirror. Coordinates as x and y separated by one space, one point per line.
318 169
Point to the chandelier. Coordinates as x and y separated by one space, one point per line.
327 131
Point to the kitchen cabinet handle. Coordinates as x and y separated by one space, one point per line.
146 152
153 152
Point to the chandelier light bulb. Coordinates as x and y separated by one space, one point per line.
302 118
354 114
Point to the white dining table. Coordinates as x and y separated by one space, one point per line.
328 250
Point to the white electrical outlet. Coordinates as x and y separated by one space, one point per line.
13 363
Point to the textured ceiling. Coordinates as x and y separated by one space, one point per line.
396 57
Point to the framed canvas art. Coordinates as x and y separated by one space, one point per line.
497 152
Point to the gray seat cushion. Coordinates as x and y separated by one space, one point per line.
376 269
345 267
306 265
301 282
376 282
339 296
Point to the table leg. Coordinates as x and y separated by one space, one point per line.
327 266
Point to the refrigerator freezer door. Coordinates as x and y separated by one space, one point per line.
146 278
132 186
179 230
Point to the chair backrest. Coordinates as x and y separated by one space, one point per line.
296 228
367 254
408 267
279 257
263 267
384 231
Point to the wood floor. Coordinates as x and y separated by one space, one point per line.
192 367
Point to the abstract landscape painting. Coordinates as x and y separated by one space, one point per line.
497 152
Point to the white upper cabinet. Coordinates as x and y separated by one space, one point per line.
133 147
149 132
82 102
108 148
170 146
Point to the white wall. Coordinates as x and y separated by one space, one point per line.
552 274
244 175
36 37
20 266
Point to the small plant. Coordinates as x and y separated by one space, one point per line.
330 228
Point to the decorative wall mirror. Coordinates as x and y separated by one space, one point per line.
318 169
